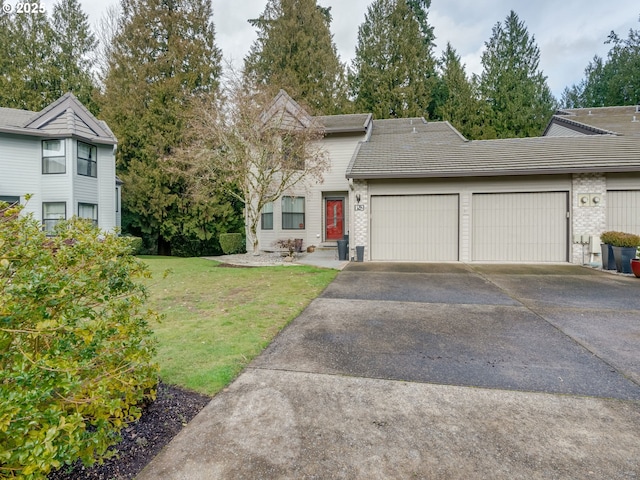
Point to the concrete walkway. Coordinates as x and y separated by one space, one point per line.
435 371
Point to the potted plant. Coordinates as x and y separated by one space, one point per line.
635 264
625 247
606 246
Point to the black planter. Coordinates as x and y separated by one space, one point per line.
343 252
623 256
608 260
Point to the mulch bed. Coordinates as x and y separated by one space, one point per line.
143 440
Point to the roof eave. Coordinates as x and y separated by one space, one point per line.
52 134
495 173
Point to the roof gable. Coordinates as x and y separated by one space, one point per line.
285 112
68 117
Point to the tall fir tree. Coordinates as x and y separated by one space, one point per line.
517 92
295 51
43 58
73 47
163 56
611 81
28 76
393 72
458 101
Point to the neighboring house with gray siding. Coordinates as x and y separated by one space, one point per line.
65 158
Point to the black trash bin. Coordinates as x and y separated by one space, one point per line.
360 253
342 250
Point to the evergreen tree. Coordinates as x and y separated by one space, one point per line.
295 52
458 101
613 81
44 58
74 44
393 73
163 56
516 90
28 77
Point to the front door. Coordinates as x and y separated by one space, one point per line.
334 219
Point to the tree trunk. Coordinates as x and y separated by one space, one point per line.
164 246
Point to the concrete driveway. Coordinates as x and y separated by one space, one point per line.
435 371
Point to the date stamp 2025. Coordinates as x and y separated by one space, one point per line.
24 8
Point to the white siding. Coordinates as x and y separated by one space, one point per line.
520 227
414 227
21 170
340 149
465 188
623 211
559 131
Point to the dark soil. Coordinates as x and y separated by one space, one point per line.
143 440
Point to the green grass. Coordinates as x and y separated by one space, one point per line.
218 319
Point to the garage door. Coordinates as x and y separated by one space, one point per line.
414 227
520 227
623 211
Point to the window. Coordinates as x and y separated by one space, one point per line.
266 218
10 199
88 211
52 214
87 156
293 213
53 157
292 153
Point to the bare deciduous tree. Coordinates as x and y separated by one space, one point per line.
256 147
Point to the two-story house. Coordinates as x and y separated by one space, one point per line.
65 158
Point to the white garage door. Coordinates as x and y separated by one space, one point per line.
414 227
623 211
520 227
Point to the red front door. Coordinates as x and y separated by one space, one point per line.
335 219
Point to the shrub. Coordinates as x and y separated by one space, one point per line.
620 239
608 237
135 244
76 363
232 243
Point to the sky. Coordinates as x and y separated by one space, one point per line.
568 32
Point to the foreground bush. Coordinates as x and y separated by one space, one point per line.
76 349
232 243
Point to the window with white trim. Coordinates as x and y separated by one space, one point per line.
88 211
53 157
266 217
87 160
52 214
293 213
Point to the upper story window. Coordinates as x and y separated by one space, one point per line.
52 214
293 213
292 152
87 160
266 218
88 211
53 157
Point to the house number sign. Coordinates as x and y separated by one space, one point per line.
359 208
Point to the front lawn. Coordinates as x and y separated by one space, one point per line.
219 318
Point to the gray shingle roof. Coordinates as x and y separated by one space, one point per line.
436 153
603 120
63 118
12 117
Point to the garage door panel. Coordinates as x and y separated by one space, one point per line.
414 227
623 211
520 227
